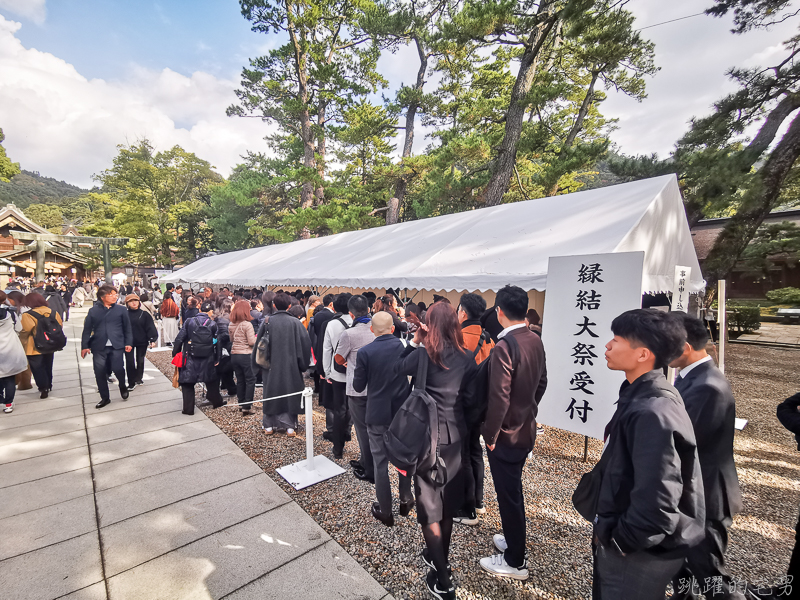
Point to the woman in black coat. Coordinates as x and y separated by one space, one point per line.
225 370
448 366
198 370
144 333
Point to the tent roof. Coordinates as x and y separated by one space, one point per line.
481 249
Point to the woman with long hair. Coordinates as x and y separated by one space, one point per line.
243 338
41 362
225 366
170 312
441 344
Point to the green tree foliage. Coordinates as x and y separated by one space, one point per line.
725 173
304 86
163 198
29 187
7 168
46 215
787 295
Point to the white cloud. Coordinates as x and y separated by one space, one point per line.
35 10
66 126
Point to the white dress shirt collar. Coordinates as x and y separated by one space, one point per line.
509 329
688 369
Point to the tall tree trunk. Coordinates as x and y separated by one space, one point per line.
322 149
392 210
401 186
576 128
306 130
761 199
503 166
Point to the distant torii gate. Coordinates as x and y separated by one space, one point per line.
40 245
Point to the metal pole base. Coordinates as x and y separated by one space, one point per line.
300 477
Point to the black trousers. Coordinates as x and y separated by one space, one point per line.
636 576
134 364
794 564
212 393
358 413
108 360
341 415
245 379
226 373
706 561
8 388
474 472
506 464
42 370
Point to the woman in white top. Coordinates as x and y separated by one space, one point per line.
12 355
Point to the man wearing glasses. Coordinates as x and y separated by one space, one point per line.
107 336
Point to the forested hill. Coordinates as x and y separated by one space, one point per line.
31 188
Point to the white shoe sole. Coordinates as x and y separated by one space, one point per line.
501 547
517 576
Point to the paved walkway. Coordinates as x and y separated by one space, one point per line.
137 501
773 333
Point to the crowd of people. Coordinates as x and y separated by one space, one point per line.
660 500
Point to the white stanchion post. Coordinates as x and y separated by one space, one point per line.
308 399
312 469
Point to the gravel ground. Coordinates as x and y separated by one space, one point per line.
761 538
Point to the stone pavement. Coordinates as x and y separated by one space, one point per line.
138 501
773 333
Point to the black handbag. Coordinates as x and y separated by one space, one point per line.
587 494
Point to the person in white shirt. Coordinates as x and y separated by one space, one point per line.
341 416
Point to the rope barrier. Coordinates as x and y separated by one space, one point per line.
302 392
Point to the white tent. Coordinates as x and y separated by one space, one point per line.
478 250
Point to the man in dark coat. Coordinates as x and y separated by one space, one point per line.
325 389
198 369
712 409
144 334
106 335
650 508
789 415
290 354
55 301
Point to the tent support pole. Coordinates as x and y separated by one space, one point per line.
722 322
585 448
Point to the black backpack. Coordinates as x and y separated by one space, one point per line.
474 394
201 342
412 440
49 336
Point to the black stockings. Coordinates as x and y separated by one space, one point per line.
437 539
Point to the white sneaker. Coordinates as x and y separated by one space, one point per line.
480 510
8 408
290 432
499 541
268 430
497 565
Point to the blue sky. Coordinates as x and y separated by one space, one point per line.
80 77
102 38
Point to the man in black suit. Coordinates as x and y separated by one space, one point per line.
325 389
712 409
107 335
385 395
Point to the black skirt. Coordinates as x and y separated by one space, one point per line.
434 502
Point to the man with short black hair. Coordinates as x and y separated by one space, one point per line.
470 309
334 328
517 381
106 335
712 409
650 507
350 342
318 335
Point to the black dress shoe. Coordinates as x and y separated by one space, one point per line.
183 412
124 393
43 394
362 476
326 435
405 508
102 403
356 464
337 454
376 512
131 387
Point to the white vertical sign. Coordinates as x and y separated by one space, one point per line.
584 294
680 293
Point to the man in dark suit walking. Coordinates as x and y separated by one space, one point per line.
325 389
712 410
107 335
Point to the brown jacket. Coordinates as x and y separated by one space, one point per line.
243 337
514 395
472 334
29 329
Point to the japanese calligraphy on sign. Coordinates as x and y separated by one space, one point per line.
584 294
680 293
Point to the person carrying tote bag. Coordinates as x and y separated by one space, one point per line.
12 355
